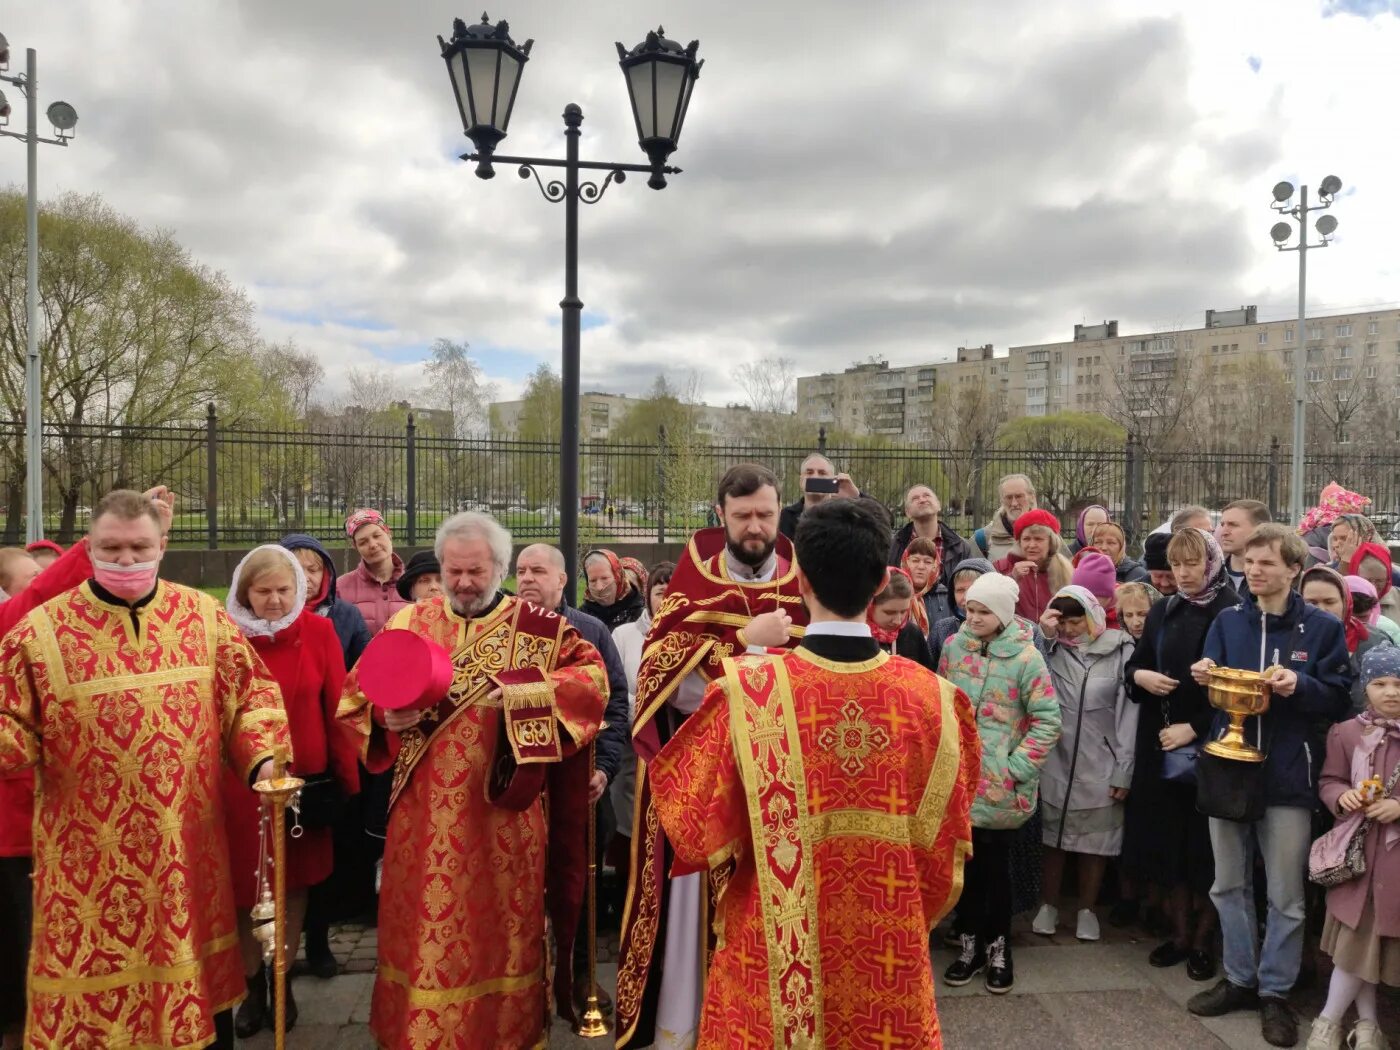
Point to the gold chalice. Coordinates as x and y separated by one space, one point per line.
1239 694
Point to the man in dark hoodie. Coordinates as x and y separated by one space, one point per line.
348 890
922 508
1305 651
321 597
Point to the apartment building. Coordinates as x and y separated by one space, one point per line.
1354 354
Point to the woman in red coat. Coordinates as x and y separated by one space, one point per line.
267 600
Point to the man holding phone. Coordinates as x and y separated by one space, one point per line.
820 482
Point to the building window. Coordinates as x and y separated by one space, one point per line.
1341 372
1372 349
1288 334
1369 372
1314 331
1344 351
1314 375
1373 328
1344 329
1288 358
1264 337
1215 349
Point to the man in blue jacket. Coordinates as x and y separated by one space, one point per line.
1311 684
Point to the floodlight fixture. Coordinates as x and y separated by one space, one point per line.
4 109
1281 232
63 117
1330 187
1283 191
4 53
1327 225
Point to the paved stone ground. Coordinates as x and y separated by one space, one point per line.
1068 996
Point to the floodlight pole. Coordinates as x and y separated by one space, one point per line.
34 402
1300 364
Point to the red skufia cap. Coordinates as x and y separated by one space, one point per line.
401 670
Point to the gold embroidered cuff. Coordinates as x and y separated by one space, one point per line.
527 703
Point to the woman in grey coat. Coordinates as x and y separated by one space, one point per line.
1085 780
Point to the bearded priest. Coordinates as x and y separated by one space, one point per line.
462 960
734 589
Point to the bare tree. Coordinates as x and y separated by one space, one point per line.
456 385
966 417
1152 399
770 384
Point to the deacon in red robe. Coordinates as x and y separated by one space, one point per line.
128 695
735 587
835 783
462 954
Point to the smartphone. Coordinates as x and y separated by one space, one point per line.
827 485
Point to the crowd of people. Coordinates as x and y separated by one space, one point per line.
914 725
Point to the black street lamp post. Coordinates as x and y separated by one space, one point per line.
485 66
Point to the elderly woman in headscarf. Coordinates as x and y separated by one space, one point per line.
267 600
1090 518
932 601
1087 776
610 596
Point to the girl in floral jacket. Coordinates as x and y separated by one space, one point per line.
993 659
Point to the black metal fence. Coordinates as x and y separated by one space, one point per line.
238 487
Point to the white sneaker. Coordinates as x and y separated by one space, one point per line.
1045 921
1325 1035
1365 1036
1088 926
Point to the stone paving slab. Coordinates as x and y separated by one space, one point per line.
1068 996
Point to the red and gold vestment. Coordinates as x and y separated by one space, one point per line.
840 794
462 954
128 717
694 631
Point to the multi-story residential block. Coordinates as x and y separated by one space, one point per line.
1349 355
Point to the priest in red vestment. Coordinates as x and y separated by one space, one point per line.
835 782
462 959
128 695
735 588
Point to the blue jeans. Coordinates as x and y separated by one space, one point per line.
1283 837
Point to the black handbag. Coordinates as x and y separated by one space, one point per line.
1229 789
322 801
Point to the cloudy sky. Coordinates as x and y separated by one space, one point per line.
887 178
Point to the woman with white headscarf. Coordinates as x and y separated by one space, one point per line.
267 600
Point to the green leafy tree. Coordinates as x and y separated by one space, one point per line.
136 333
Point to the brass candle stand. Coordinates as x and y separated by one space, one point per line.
592 1024
277 793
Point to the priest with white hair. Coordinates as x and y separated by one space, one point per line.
462 905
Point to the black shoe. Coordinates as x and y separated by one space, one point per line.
1277 1022
253 1015
1224 998
1000 975
322 964
1168 953
971 961
1124 913
1200 966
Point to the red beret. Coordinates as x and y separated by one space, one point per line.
1036 517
